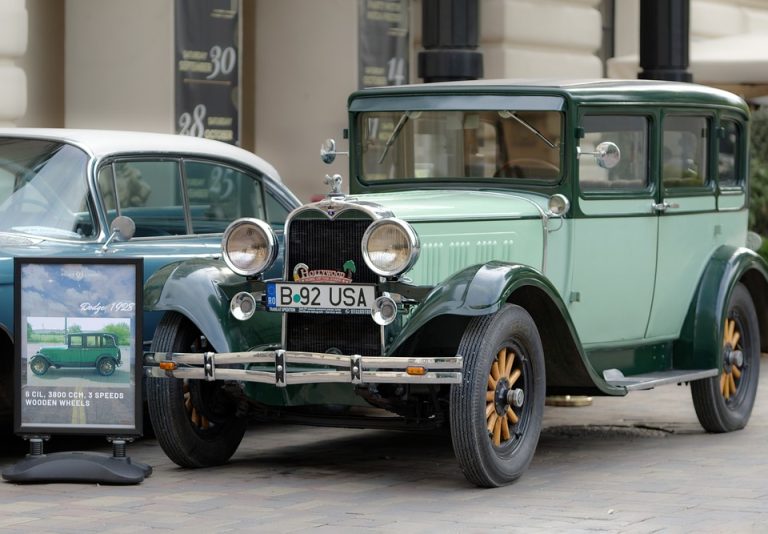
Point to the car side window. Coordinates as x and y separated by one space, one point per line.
149 192
218 194
728 154
630 134
685 151
276 211
76 341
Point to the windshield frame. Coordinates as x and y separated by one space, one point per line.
414 105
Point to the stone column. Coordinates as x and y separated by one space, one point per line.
13 44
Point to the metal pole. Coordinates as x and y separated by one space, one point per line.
664 30
450 32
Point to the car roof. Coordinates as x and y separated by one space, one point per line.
586 90
102 143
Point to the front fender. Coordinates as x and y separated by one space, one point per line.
201 289
475 290
483 289
700 343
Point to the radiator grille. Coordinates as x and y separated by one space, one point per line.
329 244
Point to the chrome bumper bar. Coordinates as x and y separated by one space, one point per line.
354 369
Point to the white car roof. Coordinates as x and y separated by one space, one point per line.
102 143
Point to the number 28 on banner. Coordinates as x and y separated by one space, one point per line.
193 123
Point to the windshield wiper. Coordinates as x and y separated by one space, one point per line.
393 136
506 114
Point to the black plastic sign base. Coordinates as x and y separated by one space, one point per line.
76 466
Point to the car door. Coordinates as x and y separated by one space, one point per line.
75 354
689 228
614 231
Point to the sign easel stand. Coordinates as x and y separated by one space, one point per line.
76 466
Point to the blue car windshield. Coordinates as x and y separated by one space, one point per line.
44 190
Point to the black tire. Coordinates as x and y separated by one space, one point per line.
39 365
488 456
106 366
195 422
724 403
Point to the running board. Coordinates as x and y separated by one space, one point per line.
614 377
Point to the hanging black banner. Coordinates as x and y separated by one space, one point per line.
383 43
207 69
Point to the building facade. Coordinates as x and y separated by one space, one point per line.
110 63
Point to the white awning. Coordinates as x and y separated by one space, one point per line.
738 59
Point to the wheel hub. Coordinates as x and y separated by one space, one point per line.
506 397
732 357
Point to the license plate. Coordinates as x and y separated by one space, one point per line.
350 299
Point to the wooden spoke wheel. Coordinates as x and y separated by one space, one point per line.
196 418
733 360
497 409
195 422
724 403
505 397
39 365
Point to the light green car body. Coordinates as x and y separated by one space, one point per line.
631 281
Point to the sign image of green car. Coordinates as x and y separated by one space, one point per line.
501 241
84 350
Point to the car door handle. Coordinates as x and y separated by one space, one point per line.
664 206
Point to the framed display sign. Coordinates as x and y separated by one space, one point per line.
78 360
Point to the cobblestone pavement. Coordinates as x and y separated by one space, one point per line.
635 464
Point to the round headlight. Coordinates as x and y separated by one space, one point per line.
249 246
390 247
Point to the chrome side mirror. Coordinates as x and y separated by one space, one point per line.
607 154
123 228
558 205
328 151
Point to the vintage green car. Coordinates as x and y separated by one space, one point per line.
502 241
84 350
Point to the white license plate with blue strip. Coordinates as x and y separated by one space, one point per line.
350 299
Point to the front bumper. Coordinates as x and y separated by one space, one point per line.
282 368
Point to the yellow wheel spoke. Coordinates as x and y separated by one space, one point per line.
727 390
735 339
490 396
502 357
512 416
723 385
491 383
204 423
504 429
729 326
195 417
510 361
497 432
492 421
732 383
495 371
736 372
514 376
489 409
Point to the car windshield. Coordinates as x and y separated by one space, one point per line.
43 189
459 145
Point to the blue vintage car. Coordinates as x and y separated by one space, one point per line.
60 190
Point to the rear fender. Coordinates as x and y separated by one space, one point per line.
201 290
700 343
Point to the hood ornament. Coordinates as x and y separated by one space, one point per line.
334 182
